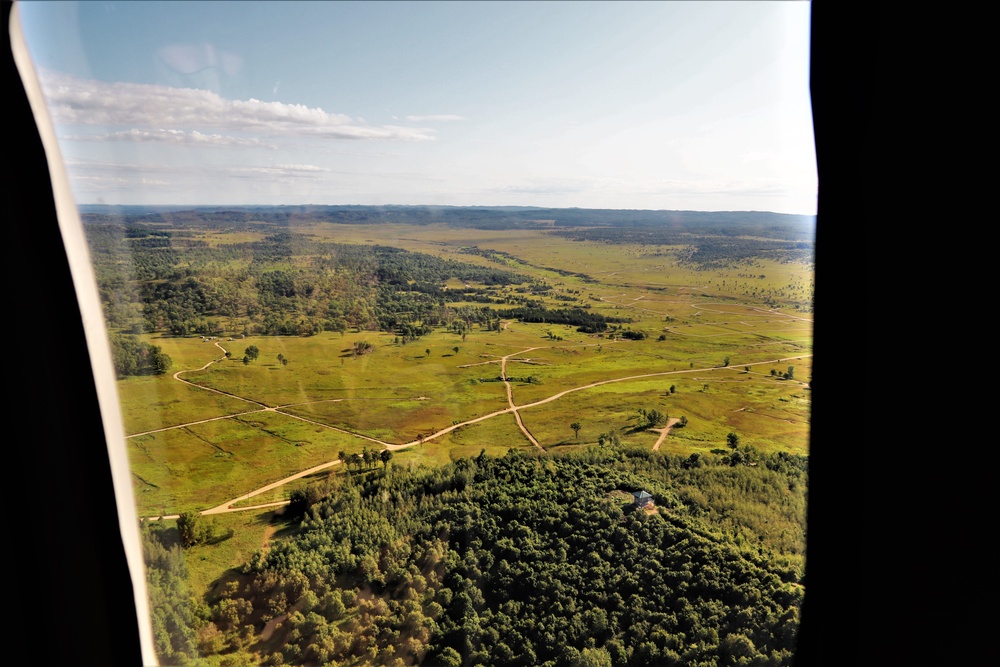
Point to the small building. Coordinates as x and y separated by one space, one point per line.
642 499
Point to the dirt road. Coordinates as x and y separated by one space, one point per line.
230 505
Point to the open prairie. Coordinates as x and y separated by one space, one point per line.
727 348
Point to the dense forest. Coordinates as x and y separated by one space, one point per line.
283 284
525 559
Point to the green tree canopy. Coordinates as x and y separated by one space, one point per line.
190 528
132 356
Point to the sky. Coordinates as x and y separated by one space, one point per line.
645 105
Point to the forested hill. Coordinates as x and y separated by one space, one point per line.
533 560
756 223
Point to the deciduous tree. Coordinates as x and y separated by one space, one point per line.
190 528
654 418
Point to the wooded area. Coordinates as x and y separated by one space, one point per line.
523 559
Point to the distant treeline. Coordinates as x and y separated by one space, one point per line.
501 257
711 239
585 321
778 225
717 247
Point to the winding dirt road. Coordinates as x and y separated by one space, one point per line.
230 505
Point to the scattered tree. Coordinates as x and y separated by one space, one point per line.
725 362
456 349
654 418
252 353
790 374
673 389
190 528
576 429
386 456
733 440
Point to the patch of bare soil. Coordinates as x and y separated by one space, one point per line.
268 534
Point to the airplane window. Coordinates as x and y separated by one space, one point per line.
445 333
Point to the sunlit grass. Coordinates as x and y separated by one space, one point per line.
397 393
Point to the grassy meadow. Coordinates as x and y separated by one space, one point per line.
214 428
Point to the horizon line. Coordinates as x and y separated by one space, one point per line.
520 206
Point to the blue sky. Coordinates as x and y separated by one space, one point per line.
648 105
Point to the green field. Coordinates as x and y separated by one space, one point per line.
214 429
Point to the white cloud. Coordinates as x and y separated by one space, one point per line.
278 170
437 117
176 137
77 166
152 107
